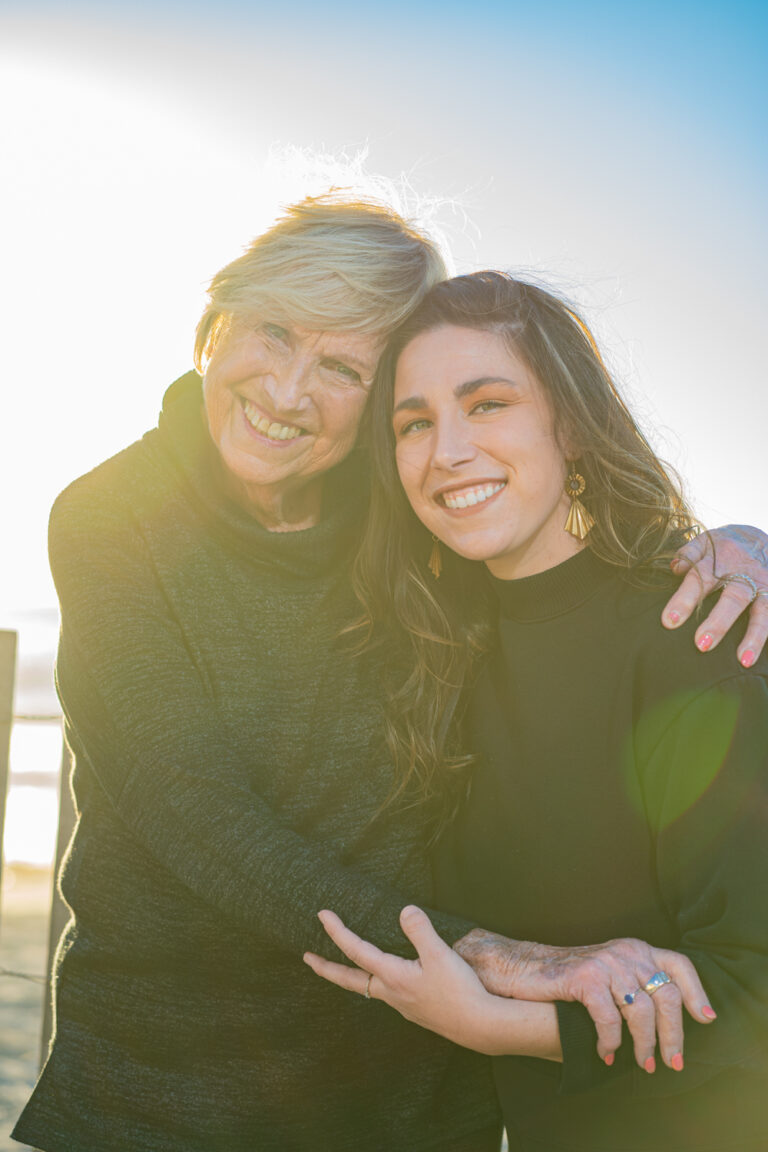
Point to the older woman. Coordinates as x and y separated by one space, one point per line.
621 782
231 775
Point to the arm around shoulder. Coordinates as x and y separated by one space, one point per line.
143 715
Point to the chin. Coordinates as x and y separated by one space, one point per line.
480 551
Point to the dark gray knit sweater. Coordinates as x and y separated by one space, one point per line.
228 764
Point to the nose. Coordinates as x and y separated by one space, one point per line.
288 385
451 445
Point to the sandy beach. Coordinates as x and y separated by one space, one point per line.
26 896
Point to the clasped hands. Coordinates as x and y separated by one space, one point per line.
494 994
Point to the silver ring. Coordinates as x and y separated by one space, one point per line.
630 997
367 992
741 578
763 592
658 980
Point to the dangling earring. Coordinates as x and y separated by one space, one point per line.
435 564
579 521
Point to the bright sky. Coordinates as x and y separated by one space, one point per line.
618 150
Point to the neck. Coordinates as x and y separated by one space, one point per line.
534 559
279 509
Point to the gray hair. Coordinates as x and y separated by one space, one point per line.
331 263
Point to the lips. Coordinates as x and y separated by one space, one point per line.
272 429
470 495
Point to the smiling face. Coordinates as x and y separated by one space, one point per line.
283 407
477 452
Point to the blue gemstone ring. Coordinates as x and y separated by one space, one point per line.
630 997
658 980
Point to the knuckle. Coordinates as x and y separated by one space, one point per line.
676 962
686 968
688 594
737 594
694 549
758 618
670 1003
630 951
643 1013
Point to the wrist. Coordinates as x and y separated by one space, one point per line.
497 961
525 1028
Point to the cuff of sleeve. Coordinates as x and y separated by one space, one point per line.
452 928
582 1069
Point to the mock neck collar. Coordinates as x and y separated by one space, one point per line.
554 592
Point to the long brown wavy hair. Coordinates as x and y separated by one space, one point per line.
433 632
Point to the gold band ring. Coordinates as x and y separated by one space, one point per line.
658 980
367 992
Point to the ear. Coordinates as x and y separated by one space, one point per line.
570 449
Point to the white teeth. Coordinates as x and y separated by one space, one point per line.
269 428
471 496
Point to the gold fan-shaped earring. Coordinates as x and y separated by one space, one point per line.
579 521
435 563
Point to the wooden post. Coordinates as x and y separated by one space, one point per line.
7 680
60 913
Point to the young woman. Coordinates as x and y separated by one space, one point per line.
619 779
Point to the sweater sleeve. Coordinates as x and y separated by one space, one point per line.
140 712
705 790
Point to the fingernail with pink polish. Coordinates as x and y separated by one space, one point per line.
650 1064
609 1059
673 617
677 1062
747 658
709 1012
704 643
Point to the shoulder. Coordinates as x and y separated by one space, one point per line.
670 655
672 679
128 484
109 505
109 499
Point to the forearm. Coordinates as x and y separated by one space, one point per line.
523 1028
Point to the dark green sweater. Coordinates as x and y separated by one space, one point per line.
622 790
228 767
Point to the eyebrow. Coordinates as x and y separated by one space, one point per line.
414 403
351 361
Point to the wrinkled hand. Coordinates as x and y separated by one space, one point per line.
599 976
705 560
438 991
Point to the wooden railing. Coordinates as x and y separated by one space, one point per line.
59 913
7 682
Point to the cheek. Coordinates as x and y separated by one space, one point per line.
218 404
409 472
341 421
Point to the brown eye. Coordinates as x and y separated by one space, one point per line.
488 406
